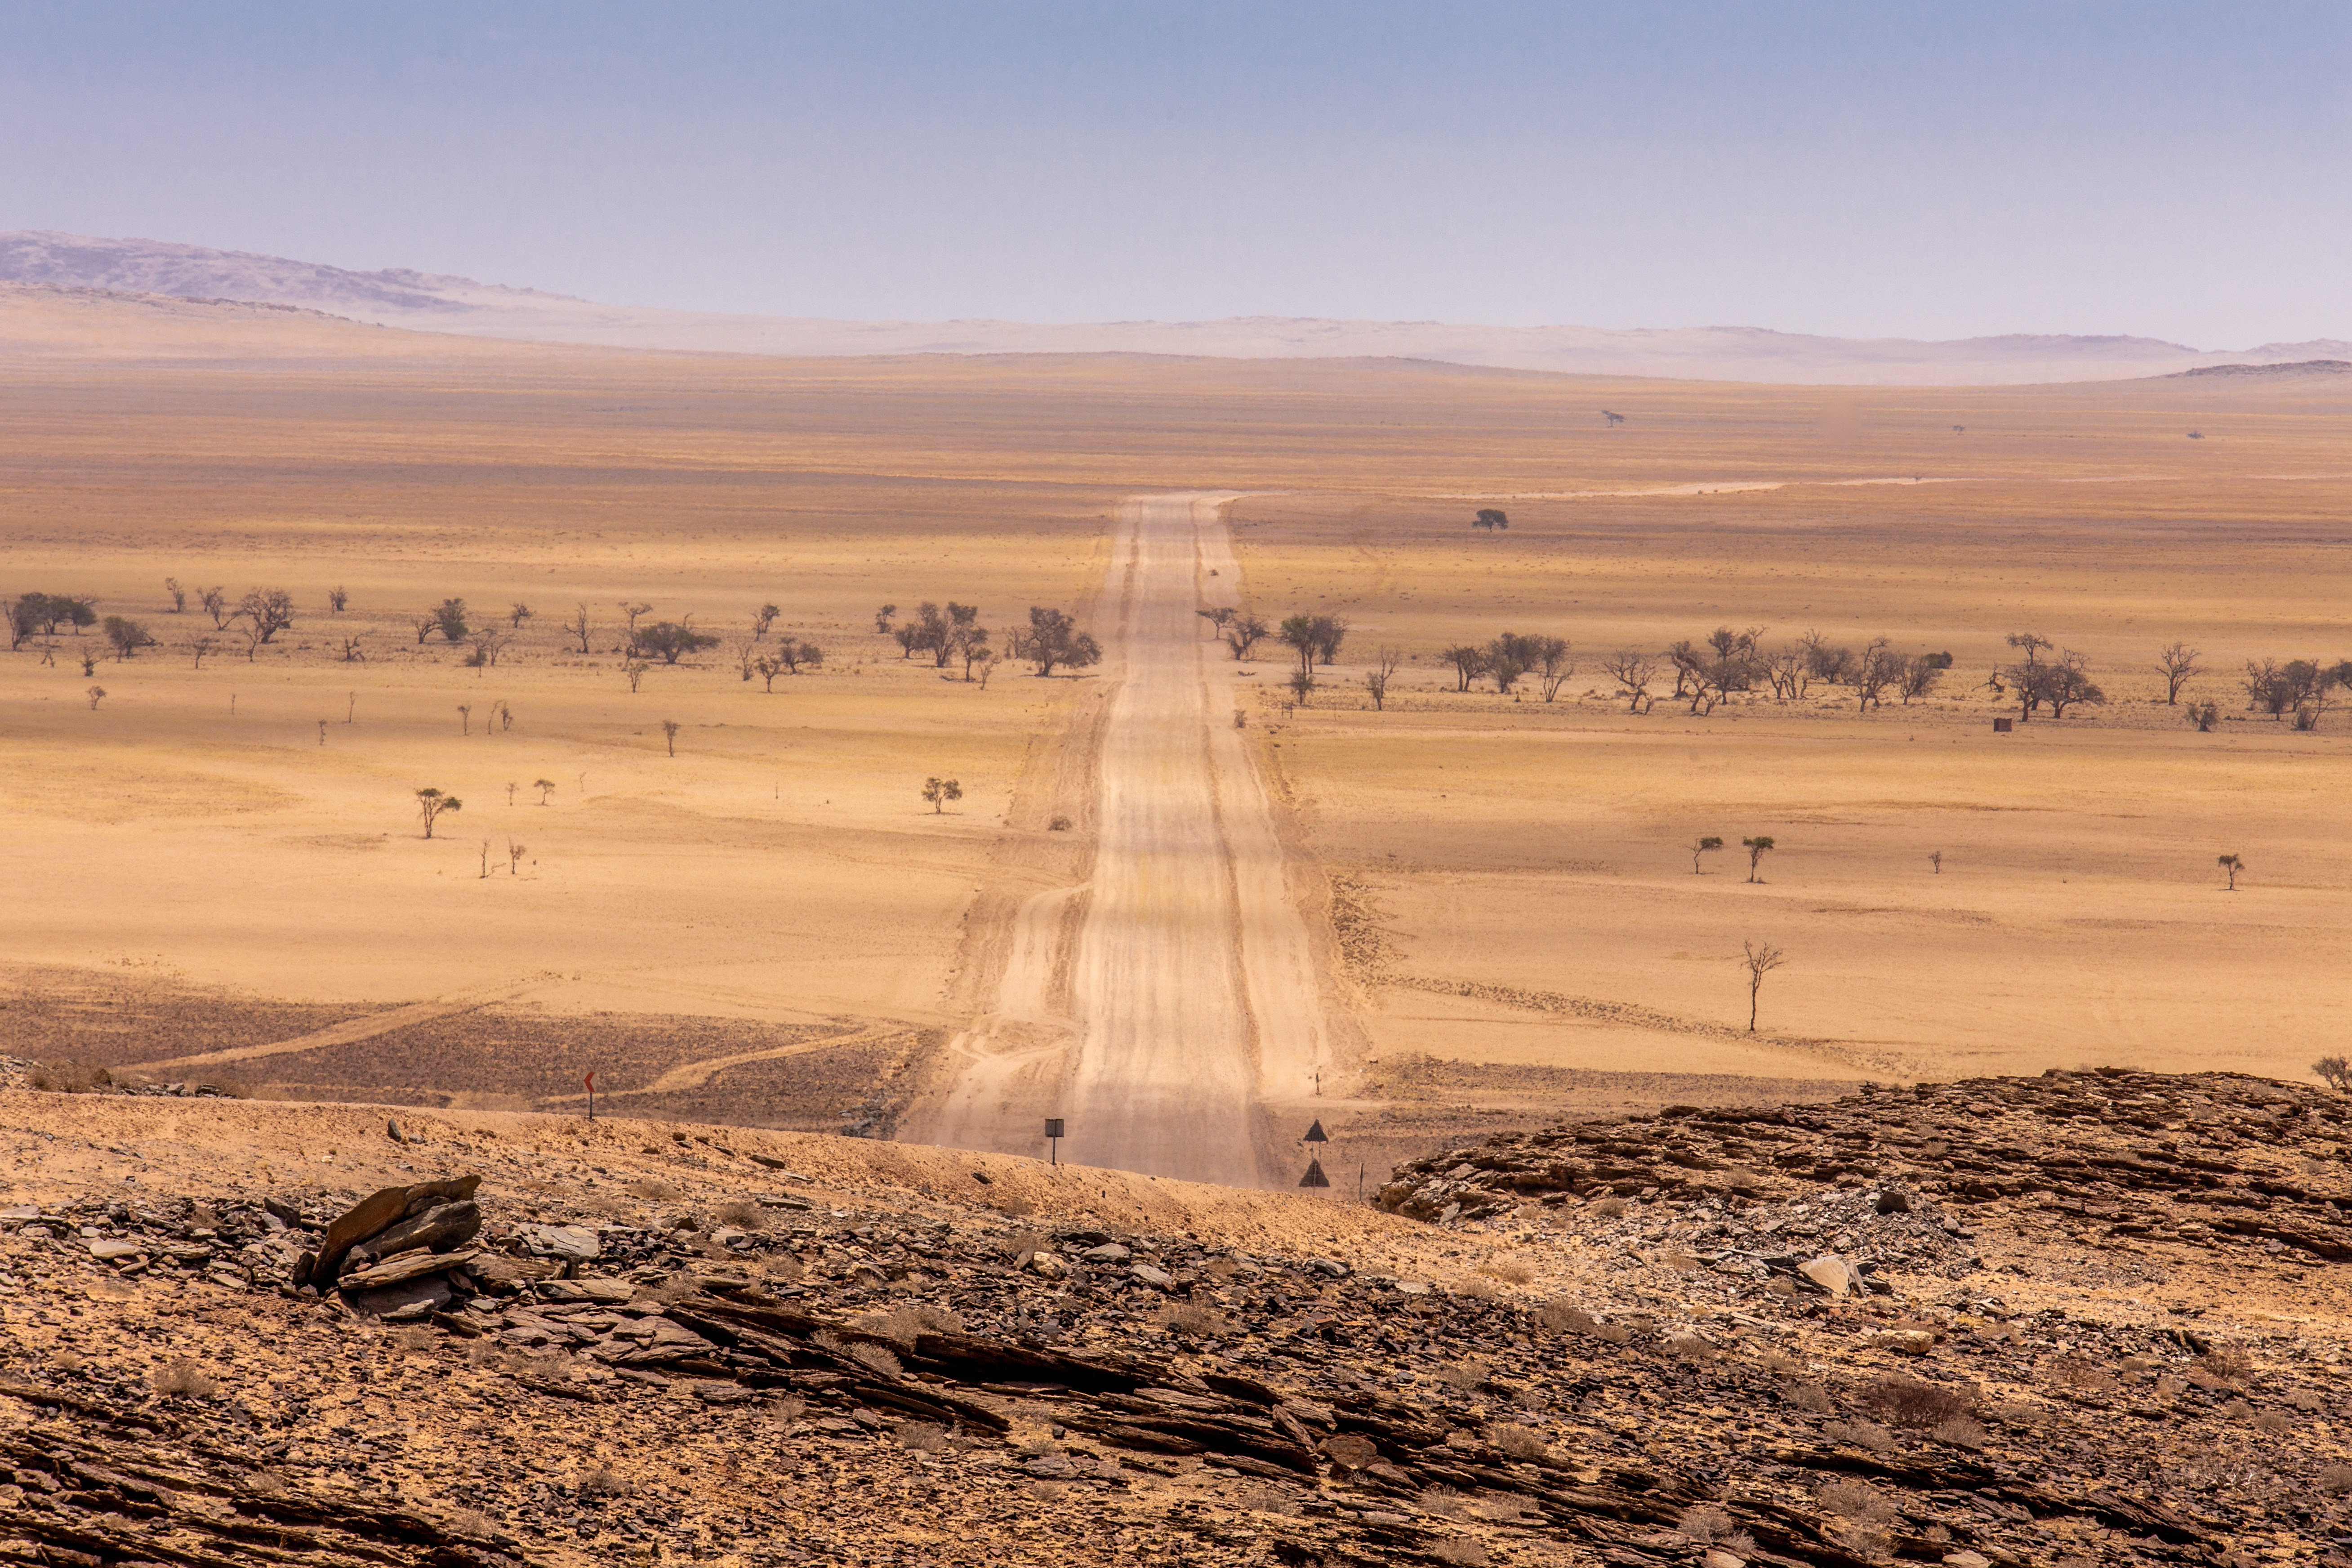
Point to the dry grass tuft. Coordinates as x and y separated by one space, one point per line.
1520 1442
1561 1318
1907 1402
1509 1273
1607 1208
1710 1526
1469 1376
903 1325
922 1437
183 1378
2335 1480
605 1482
875 1359
743 1214
1465 1551
1960 1432
1195 1320
1864 1435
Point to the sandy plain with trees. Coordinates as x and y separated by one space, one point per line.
1491 879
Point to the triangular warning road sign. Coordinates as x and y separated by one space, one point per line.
1314 1176
1316 1134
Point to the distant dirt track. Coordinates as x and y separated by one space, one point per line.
1188 996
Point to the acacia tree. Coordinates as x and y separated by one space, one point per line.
1469 662
1632 672
577 626
668 640
764 618
882 618
1552 666
669 734
939 791
1762 958
127 636
339 598
1699 846
1757 847
1243 632
2230 866
179 594
1052 640
518 614
1298 633
2066 682
1219 618
2177 664
546 787
216 604
2335 1072
95 693
432 805
1385 661
270 611
1302 686
488 644
450 620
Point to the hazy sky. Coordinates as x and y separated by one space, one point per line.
1929 171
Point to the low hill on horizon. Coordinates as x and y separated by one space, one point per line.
444 303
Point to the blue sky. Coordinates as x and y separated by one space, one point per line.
1886 169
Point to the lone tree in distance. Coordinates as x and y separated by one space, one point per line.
669 733
545 788
2177 663
2231 865
1699 846
431 804
1757 847
2335 1072
1762 959
938 792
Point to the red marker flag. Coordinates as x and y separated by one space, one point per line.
591 1082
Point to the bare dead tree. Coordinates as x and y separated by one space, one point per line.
198 647
1385 661
1762 959
577 628
2177 664
1553 666
1632 672
179 594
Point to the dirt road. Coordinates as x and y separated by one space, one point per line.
1162 1019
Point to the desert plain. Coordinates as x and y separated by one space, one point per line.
1484 903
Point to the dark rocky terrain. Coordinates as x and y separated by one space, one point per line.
2082 1318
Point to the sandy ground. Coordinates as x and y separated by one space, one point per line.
1494 885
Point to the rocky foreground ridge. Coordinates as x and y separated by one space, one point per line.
1948 1325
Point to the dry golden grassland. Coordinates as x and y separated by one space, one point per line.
783 869
2079 915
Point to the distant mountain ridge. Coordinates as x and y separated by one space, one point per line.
438 303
